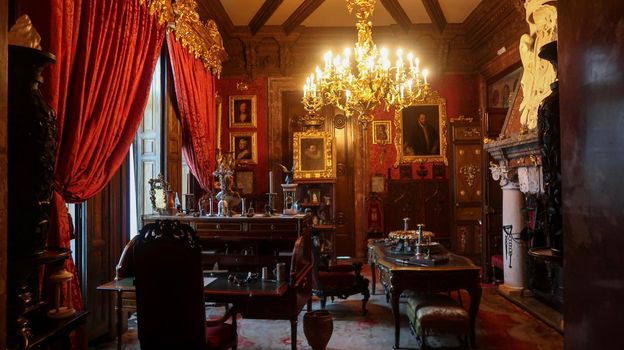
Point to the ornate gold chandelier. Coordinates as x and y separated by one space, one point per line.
363 79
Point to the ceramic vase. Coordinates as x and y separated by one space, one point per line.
318 327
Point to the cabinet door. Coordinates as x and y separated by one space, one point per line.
467 190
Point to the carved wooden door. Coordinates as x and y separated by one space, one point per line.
467 151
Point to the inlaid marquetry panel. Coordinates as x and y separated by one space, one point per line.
467 193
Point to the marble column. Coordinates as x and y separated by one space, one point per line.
514 250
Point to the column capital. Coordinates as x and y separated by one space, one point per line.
530 180
506 177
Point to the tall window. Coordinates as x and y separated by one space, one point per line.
146 155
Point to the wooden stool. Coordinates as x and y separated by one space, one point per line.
437 314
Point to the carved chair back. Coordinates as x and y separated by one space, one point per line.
169 287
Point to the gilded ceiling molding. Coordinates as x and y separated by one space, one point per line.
201 39
538 74
160 8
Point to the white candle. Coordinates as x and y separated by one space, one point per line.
270 182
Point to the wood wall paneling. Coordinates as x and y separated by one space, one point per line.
107 232
173 136
591 62
345 217
3 168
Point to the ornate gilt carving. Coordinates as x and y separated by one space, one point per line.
202 39
538 74
161 8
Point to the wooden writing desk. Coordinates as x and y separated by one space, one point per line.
458 273
257 300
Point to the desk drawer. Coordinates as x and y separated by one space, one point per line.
206 228
287 227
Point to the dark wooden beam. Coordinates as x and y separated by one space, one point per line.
435 13
264 13
398 13
301 13
211 9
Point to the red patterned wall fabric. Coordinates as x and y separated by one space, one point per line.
196 96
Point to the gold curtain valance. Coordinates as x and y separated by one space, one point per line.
201 39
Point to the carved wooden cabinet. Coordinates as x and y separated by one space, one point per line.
467 192
423 201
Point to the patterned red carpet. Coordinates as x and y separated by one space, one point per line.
500 325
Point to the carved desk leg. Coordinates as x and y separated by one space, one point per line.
475 301
293 333
373 275
395 296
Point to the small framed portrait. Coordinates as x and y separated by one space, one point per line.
243 111
244 180
421 132
314 195
313 155
382 132
243 146
378 183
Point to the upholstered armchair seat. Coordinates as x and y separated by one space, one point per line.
338 280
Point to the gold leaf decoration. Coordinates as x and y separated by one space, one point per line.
161 8
201 39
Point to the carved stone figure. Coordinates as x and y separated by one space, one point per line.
538 74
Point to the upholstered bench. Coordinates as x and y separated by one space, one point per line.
437 314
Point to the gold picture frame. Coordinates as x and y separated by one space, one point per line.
244 147
313 155
420 142
243 111
382 132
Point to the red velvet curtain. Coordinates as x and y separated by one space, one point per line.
196 96
106 52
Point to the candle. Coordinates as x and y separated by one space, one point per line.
270 181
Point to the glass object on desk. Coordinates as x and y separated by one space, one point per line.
290 191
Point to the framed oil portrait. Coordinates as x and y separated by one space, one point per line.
244 147
313 155
382 132
244 180
421 132
243 111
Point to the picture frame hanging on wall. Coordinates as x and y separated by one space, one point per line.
243 111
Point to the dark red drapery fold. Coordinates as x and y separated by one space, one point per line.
106 52
196 96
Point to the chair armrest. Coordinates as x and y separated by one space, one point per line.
229 313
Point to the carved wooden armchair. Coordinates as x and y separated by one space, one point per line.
340 280
170 292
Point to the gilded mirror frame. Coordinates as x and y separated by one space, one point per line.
408 118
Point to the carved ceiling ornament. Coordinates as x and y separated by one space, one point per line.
538 74
202 39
